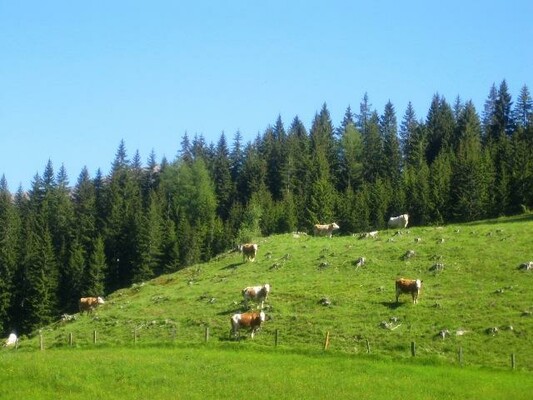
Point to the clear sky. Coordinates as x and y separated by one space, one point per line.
77 77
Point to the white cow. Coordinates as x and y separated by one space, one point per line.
256 293
400 221
325 230
11 340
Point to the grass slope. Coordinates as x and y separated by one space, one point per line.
479 288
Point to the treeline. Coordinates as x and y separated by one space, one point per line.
60 242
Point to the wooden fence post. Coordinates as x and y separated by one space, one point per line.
94 337
326 342
70 339
206 334
513 361
367 346
413 349
41 342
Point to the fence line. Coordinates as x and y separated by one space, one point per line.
325 344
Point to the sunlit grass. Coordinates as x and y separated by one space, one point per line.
479 288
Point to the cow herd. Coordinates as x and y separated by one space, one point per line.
253 320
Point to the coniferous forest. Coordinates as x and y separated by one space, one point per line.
62 241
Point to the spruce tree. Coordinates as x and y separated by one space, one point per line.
224 188
94 277
523 111
9 237
469 196
440 125
373 156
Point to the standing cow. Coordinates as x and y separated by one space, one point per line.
411 286
88 304
325 230
400 221
251 320
249 251
256 293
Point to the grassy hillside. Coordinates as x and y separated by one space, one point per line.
479 287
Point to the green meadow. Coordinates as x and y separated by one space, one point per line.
239 372
169 337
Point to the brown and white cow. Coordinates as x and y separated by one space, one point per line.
250 320
412 286
400 221
249 251
88 304
325 230
256 293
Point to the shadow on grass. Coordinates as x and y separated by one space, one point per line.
232 266
391 305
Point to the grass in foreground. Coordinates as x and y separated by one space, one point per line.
237 372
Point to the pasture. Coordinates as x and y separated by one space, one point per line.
475 301
238 372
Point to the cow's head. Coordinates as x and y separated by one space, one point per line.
100 300
334 226
418 284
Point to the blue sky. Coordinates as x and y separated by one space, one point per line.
78 77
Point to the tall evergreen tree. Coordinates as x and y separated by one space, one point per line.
95 271
373 157
469 196
489 111
392 157
407 129
351 156
224 187
523 111
440 125
9 237
365 114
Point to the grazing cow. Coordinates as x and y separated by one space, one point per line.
408 286
88 304
256 293
400 221
11 340
325 230
251 320
249 251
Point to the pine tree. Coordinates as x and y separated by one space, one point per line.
489 111
373 156
36 294
94 278
170 250
351 153
469 197
72 277
440 176
440 127
365 113
416 183
299 167
392 158
523 112
9 237
224 189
